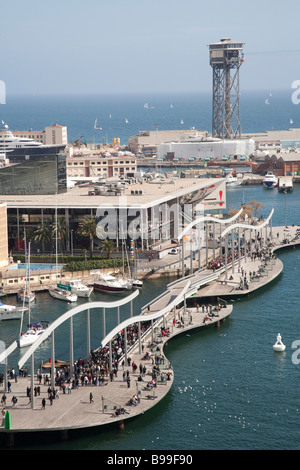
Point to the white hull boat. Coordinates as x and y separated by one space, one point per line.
137 283
232 181
62 294
78 288
270 180
33 333
27 297
10 312
111 285
279 346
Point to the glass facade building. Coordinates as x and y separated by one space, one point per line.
45 175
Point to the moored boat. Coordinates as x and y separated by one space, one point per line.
10 312
78 288
232 180
26 296
270 180
110 284
62 294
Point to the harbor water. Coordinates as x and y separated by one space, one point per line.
231 390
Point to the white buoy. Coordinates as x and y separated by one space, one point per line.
279 346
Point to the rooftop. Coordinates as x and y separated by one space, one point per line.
78 198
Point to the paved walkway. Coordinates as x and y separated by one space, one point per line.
75 410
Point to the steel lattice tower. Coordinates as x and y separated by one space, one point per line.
226 57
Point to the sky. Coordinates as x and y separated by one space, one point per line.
125 46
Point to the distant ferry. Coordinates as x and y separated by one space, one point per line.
270 180
21 148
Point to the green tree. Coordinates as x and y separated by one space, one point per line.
107 246
61 228
43 234
87 228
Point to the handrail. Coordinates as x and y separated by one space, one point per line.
208 219
251 227
147 317
71 313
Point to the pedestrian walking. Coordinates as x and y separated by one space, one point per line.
91 398
3 400
43 403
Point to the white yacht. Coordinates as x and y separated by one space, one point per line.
10 312
19 147
270 180
110 284
78 288
32 334
62 294
232 180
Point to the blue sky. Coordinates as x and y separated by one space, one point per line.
112 46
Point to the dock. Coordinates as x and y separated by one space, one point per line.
112 402
73 411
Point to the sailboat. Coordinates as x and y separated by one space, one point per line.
60 291
34 329
291 121
135 282
25 294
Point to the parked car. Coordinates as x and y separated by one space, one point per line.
174 251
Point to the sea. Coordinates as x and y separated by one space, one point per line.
230 390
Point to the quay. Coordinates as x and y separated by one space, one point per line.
73 411
170 316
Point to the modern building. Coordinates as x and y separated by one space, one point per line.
146 142
3 236
148 212
208 148
43 175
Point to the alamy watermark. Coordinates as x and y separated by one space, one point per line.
296 93
2 92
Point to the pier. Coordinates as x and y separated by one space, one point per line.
112 402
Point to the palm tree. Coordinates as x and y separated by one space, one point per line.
43 234
87 228
61 228
108 246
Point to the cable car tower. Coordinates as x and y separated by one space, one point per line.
226 57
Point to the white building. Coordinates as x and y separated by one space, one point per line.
201 148
52 135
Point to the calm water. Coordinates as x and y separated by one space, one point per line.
79 113
231 391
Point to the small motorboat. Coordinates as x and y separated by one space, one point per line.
137 283
232 180
279 346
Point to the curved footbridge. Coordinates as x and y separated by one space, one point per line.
73 410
